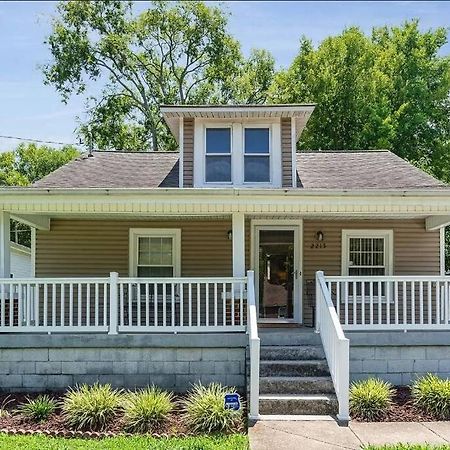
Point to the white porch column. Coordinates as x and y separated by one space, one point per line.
5 249
238 230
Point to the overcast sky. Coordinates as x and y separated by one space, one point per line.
32 110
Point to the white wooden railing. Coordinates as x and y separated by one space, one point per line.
120 305
335 345
391 302
254 347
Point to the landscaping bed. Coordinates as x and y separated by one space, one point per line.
402 409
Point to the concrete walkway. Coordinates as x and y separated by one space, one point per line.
327 435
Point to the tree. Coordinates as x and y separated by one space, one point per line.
171 53
388 90
29 163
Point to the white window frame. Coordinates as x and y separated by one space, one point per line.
136 233
387 235
205 155
237 151
269 155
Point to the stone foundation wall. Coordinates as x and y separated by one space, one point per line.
399 357
56 364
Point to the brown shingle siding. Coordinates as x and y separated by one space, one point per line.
286 152
188 152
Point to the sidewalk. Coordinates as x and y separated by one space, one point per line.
327 435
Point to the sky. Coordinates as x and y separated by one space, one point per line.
31 110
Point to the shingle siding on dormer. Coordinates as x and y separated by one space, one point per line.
286 152
188 152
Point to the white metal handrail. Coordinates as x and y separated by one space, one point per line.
254 346
123 304
391 302
335 344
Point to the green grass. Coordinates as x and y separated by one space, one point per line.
231 442
408 447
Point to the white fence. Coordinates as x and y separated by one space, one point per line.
392 302
335 345
116 305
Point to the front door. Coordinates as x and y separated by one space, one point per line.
277 273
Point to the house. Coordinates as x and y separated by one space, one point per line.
236 258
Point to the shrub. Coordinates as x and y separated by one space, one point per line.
38 409
204 410
370 399
3 407
146 409
432 394
91 407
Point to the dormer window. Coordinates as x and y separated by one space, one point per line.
257 155
218 155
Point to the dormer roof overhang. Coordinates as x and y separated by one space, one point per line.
301 113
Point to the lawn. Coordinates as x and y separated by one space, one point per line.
231 442
408 447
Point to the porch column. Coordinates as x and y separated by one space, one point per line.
5 250
238 231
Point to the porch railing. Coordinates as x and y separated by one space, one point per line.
335 345
391 302
119 305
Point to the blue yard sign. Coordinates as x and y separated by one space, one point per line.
232 401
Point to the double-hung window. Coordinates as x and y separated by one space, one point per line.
257 155
218 155
367 253
155 253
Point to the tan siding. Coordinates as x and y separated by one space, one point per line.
286 152
416 251
188 152
95 248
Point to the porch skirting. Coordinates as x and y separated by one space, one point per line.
33 363
399 357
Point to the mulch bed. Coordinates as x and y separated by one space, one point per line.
55 425
403 409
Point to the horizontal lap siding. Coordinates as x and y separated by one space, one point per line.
286 152
416 251
95 248
188 152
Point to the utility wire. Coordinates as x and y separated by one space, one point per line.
35 140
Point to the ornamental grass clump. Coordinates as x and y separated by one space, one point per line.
370 399
91 407
432 394
205 412
147 409
38 409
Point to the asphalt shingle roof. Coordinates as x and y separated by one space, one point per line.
338 170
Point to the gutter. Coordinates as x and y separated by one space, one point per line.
231 192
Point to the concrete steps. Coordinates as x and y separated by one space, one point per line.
294 375
296 385
296 404
282 368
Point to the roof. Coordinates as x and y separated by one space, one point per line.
300 112
365 169
116 170
340 170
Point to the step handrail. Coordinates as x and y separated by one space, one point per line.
335 345
254 346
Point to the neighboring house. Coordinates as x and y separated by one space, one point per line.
141 266
22 259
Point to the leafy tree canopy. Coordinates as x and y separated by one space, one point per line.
171 53
30 162
388 90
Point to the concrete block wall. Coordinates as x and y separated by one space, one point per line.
399 357
128 365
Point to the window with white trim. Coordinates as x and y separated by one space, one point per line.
218 155
256 155
155 253
367 253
